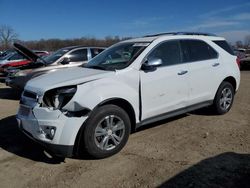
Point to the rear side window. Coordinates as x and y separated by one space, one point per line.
78 55
223 44
168 52
196 50
95 51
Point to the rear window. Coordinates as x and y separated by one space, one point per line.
95 51
196 50
78 55
223 44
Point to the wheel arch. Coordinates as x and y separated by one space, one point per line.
126 106
122 103
232 81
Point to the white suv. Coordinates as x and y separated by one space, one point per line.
93 109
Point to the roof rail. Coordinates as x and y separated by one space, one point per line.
181 33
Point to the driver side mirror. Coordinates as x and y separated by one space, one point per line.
65 61
151 64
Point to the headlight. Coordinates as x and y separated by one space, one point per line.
22 73
59 97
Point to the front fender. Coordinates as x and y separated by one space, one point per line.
91 94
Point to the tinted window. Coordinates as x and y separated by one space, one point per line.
223 44
17 57
78 55
196 50
95 51
168 52
55 56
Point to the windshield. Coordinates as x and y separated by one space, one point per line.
55 56
117 57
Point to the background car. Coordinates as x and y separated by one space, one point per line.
63 58
240 52
4 53
16 58
41 53
244 57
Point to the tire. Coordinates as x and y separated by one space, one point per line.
106 132
224 98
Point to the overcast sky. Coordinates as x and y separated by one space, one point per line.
37 19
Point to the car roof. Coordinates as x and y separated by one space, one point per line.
75 47
176 35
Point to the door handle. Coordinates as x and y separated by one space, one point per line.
216 64
182 72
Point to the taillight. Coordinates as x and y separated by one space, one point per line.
238 61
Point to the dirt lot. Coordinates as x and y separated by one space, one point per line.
193 150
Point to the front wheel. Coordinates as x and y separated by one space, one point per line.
106 131
224 98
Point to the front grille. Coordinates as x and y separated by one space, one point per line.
29 94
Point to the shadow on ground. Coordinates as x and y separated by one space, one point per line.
9 93
228 170
206 111
158 123
14 141
245 67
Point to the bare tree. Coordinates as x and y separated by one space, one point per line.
239 44
7 36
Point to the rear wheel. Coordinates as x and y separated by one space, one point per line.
224 98
106 131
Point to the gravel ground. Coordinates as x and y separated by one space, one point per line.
198 149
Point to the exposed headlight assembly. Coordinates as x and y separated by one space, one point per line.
59 97
22 73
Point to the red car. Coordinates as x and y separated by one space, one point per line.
16 59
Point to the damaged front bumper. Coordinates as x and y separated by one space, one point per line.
51 128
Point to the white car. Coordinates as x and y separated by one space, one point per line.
93 109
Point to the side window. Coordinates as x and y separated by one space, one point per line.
95 51
17 56
78 55
196 50
168 52
223 44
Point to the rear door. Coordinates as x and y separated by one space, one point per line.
165 88
203 70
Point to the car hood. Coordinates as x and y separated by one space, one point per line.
65 77
38 67
26 52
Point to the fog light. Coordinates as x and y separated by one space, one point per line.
49 131
52 132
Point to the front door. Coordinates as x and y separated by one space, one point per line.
165 88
